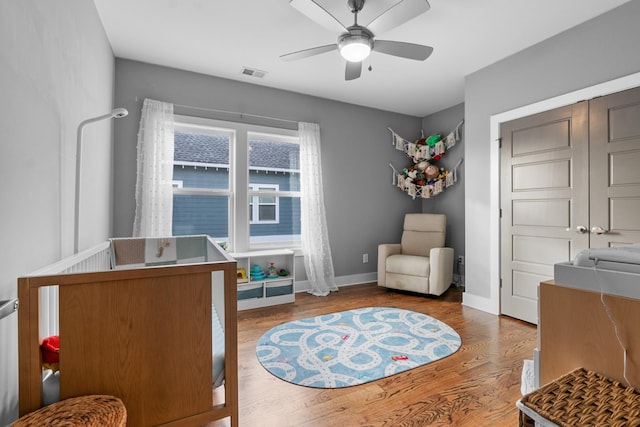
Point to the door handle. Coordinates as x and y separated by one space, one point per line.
579 229
598 230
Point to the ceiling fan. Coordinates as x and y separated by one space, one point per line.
356 42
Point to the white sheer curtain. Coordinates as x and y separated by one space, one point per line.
154 194
315 237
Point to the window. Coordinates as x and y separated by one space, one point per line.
237 183
263 209
274 189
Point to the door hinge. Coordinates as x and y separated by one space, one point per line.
499 140
501 283
500 213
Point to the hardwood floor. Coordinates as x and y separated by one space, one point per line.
476 386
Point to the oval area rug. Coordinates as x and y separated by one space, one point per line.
354 347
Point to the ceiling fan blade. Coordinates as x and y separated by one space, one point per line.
416 52
353 70
319 14
301 54
398 14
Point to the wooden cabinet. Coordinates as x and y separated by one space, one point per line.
580 328
261 290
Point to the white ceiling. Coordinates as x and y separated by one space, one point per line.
220 37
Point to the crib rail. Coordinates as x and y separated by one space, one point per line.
97 258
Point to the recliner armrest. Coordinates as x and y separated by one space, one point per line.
385 250
441 270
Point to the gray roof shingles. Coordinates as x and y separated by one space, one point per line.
214 149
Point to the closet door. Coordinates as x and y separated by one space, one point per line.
614 129
570 180
544 200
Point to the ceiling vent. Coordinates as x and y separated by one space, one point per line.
253 72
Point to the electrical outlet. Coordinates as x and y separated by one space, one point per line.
365 258
460 260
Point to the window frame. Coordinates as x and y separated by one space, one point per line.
239 190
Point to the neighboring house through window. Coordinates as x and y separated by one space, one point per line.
263 209
237 183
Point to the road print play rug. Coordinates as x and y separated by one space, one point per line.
354 347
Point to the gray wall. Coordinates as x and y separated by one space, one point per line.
363 208
451 201
599 50
56 69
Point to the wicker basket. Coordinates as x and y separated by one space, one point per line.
93 410
586 398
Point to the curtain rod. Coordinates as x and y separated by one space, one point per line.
242 115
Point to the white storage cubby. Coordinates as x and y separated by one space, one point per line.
268 290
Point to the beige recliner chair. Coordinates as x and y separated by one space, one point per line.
420 262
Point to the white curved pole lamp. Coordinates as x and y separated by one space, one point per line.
114 114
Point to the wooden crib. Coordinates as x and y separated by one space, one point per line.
141 334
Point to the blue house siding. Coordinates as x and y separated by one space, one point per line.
201 215
201 177
208 214
285 182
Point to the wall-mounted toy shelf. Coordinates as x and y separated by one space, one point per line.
423 178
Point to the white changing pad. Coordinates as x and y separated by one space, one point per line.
612 271
624 258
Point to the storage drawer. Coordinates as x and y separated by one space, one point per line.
281 287
249 290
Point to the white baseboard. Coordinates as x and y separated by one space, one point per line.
480 303
358 279
353 279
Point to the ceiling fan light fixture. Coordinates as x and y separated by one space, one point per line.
355 47
355 43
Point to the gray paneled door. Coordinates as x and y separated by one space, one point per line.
544 191
570 180
614 132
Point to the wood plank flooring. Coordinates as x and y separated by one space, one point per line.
476 386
